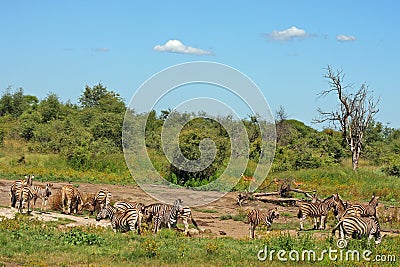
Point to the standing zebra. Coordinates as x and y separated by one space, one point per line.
27 194
71 199
152 210
315 210
100 201
340 207
130 219
357 227
16 187
256 217
168 215
43 194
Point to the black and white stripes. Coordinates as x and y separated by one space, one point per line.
315 210
356 227
256 217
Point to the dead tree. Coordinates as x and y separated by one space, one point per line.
354 114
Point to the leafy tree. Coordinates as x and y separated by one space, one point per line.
16 103
50 108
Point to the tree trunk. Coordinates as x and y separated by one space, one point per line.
355 157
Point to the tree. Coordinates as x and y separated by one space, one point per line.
282 127
354 114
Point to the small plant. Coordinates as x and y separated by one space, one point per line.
212 247
78 237
150 248
226 217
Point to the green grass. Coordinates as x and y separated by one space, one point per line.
35 243
205 210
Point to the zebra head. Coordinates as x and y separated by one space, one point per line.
275 213
103 214
178 205
329 201
47 190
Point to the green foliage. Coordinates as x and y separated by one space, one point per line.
78 237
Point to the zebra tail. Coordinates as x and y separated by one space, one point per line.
336 227
299 214
194 222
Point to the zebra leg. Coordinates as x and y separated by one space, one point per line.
322 225
69 206
301 222
139 223
252 229
185 222
315 222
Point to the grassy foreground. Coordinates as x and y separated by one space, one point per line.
29 242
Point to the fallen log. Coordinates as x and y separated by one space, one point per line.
279 200
265 194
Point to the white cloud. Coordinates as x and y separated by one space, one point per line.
345 38
175 46
102 49
288 34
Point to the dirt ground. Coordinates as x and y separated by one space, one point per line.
207 217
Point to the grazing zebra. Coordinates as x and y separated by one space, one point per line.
168 215
256 217
16 188
71 199
357 227
100 200
42 193
315 210
130 219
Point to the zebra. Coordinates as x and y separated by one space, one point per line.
315 210
130 219
42 193
363 210
16 187
357 227
100 200
71 198
256 217
27 194
185 215
168 215
340 207
152 210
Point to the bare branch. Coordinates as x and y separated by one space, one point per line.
354 113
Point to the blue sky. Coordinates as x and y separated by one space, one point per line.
283 46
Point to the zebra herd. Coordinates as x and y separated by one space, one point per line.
124 216
354 220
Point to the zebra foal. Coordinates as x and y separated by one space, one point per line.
256 217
